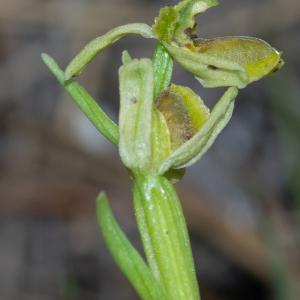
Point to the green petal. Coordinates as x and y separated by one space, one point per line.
126 256
211 71
165 24
194 149
188 10
256 56
228 61
97 45
135 118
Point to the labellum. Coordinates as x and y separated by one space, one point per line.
184 112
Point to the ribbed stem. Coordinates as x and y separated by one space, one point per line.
164 234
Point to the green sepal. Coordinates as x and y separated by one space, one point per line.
97 45
209 70
85 102
256 56
135 117
126 256
165 24
195 148
184 112
228 61
188 10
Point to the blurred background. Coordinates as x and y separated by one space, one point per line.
242 200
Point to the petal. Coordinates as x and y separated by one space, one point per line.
165 24
210 71
256 56
227 61
188 10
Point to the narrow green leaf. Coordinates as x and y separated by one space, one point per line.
85 102
162 68
194 149
97 45
135 119
162 227
126 256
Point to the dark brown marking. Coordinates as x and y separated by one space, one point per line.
212 67
134 100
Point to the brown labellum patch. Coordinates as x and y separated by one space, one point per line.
177 118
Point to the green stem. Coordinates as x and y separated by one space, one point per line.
165 238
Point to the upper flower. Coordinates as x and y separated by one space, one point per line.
162 126
226 61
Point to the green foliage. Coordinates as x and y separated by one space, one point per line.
85 102
125 255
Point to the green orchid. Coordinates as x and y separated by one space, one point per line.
164 128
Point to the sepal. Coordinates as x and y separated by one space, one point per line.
97 45
135 116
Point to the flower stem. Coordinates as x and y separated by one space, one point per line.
164 234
